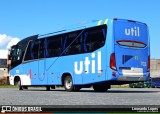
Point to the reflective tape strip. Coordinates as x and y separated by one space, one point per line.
106 21
99 22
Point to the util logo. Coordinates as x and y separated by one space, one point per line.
89 64
135 31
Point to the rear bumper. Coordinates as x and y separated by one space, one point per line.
132 78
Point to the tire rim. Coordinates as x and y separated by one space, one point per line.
69 84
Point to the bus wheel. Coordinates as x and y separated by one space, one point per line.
68 84
77 88
47 88
19 84
25 87
100 87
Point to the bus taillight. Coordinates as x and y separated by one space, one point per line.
113 61
148 68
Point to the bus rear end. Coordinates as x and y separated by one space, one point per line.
130 60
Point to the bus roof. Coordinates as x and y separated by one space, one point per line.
78 26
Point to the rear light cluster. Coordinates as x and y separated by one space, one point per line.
148 68
113 61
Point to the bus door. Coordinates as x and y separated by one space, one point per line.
30 65
42 77
131 48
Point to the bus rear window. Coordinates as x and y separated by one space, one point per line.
131 43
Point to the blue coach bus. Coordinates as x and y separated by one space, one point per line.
99 53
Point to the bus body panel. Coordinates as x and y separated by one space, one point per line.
94 67
52 72
125 30
109 49
97 67
42 75
31 69
131 48
23 73
84 69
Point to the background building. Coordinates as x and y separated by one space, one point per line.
155 67
4 74
3 63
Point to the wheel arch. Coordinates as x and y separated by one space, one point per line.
16 79
64 75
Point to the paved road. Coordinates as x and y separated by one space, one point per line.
115 96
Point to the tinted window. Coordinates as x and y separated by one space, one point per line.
53 45
32 50
131 43
73 43
94 38
41 53
77 42
16 56
28 52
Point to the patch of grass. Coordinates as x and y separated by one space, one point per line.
120 86
8 86
113 86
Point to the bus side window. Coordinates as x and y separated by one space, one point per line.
35 48
28 53
32 51
73 43
77 45
41 52
54 46
94 38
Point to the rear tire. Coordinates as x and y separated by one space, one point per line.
47 88
52 87
100 87
25 87
20 86
17 82
77 88
68 84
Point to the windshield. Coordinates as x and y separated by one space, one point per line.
16 56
